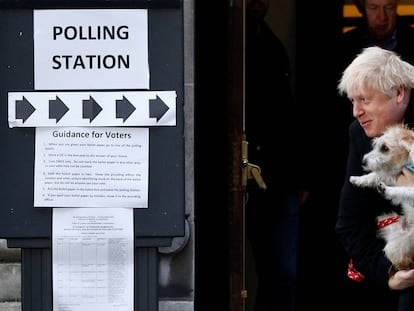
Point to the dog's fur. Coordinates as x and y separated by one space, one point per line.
391 151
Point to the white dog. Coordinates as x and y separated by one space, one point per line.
391 152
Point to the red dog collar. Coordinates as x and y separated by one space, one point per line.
387 221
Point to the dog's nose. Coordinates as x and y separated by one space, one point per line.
364 162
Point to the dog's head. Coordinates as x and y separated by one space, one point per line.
390 151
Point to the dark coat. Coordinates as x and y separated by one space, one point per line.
356 223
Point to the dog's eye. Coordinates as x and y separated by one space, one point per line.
384 148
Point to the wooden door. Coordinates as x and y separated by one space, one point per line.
235 38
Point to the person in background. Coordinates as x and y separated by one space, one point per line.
272 216
380 26
379 85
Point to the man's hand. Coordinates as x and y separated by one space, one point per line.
406 178
401 279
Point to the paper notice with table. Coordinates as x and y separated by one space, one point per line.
93 259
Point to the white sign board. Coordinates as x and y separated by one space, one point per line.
91 49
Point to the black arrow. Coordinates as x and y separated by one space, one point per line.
157 108
57 109
124 108
90 109
24 109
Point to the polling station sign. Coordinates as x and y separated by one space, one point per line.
91 49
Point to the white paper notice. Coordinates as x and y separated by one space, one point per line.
93 259
91 167
90 49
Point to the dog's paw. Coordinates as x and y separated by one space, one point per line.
365 181
389 193
355 180
381 188
399 195
361 181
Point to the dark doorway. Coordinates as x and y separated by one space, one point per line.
318 27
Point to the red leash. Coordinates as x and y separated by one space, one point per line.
354 274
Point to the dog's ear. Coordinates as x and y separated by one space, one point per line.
407 140
409 144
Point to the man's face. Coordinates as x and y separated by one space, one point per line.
375 110
381 17
257 8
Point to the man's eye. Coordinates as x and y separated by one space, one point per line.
391 7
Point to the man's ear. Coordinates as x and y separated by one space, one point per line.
400 92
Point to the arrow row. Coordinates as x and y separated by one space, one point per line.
24 109
57 109
90 109
98 108
124 108
157 108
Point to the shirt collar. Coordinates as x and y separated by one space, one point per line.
389 44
